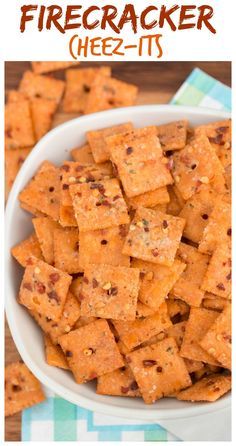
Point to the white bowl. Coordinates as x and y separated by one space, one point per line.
55 146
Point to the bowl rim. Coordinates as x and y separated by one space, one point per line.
86 402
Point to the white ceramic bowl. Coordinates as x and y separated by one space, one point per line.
55 146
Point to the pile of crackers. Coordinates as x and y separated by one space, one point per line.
128 267
30 110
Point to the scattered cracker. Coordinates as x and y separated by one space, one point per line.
149 199
45 67
18 125
217 279
25 250
173 135
154 236
66 250
44 87
13 162
159 370
54 355
210 388
44 289
42 114
120 382
91 351
139 160
218 133
99 205
15 96
22 389
83 154
44 227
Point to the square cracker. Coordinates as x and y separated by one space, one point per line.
103 246
218 229
217 340
36 86
67 216
218 133
13 162
149 199
110 292
154 236
134 333
173 135
188 286
199 322
54 355
97 140
22 389
83 154
156 281
19 130
99 205
120 382
44 227
159 370
76 173
196 212
44 289
42 114
210 388
70 315
107 92
45 67
43 191
139 160
91 351
194 165
78 86
66 250
25 250
217 279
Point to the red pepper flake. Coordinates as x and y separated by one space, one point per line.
65 186
221 286
85 280
94 283
115 170
154 252
129 150
113 291
40 287
216 139
124 389
79 168
228 277
123 230
229 232
204 216
165 224
29 261
159 369
51 189
76 247
53 296
142 275
133 386
149 362
54 277
69 354
105 203
116 197
65 167
193 166
227 337
86 88
16 388
27 286
104 242
81 297
222 129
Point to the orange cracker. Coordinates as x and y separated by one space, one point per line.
154 236
54 354
177 331
97 140
120 382
44 289
67 216
218 133
18 125
22 389
139 160
199 322
188 286
13 162
70 315
177 308
91 351
44 87
26 249
210 388
83 154
217 279
218 229
45 67
108 92
110 292
194 165
43 191
217 340
103 246
66 249
197 211
76 173
44 227
136 332
173 135
15 96
156 281
78 86
42 115
159 370
149 199
213 302
99 205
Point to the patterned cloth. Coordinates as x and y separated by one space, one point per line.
59 420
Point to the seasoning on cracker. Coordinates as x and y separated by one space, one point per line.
54 354
13 162
22 389
210 389
173 136
217 279
149 199
120 382
36 86
44 228
44 289
66 250
139 160
83 154
218 133
154 236
25 250
19 130
91 351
